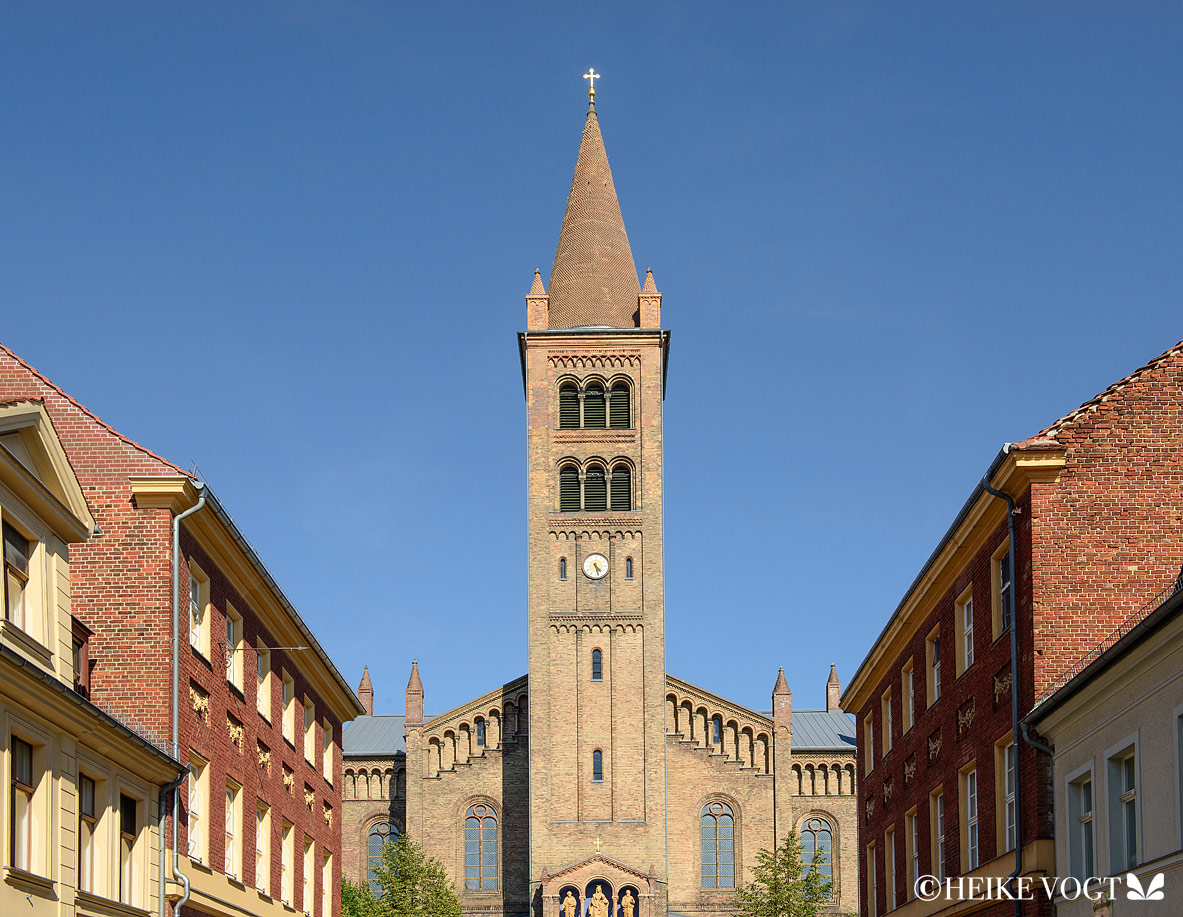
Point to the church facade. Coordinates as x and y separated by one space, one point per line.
598 784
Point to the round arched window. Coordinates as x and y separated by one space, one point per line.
817 849
380 835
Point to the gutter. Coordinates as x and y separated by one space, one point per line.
203 492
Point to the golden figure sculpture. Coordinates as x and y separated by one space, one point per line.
627 903
569 905
600 906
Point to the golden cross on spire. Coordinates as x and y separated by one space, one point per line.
591 76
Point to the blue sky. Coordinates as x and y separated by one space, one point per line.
290 241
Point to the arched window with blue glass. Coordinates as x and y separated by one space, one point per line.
597 666
817 850
597 766
380 835
718 846
480 849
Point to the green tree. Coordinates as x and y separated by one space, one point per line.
783 886
413 884
360 901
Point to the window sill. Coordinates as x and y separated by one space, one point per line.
26 643
101 905
199 864
265 895
30 882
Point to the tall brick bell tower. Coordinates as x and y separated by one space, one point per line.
594 362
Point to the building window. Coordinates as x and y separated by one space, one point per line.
817 851
568 407
1000 592
597 766
569 501
308 876
380 835
263 848
936 825
234 648
908 690
480 849
872 883
868 743
198 611
969 818
1005 769
87 827
129 828
1123 810
716 730
889 866
885 710
622 488
21 811
933 654
595 489
718 846
562 568
912 840
289 708
80 636
17 552
328 751
326 884
480 733
628 568
618 406
1081 841
309 731
597 666
594 408
965 622
198 808
263 682
287 853
233 830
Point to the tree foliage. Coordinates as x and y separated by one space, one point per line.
782 885
410 884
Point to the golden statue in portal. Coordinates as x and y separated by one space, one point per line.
627 903
569 905
599 905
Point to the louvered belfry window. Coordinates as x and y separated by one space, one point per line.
569 489
594 416
618 407
595 489
622 491
568 408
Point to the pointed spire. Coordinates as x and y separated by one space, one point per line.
782 685
365 692
650 286
537 289
414 707
593 280
833 689
782 702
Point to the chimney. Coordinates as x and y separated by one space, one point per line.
365 692
414 696
833 689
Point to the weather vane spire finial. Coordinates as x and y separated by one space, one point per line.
591 76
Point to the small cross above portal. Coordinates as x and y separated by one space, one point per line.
597 845
591 76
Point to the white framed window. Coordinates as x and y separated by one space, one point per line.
872 883
1000 589
328 750
1008 796
1081 825
24 779
233 818
965 623
889 866
129 832
263 848
18 554
1124 821
198 610
287 853
885 708
933 658
969 816
936 822
234 647
309 731
289 708
263 681
309 873
869 742
912 827
908 692
87 831
326 884
198 809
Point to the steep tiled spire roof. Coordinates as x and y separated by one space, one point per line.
594 279
781 686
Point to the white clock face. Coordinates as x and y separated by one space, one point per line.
596 566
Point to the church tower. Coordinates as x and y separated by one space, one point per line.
594 364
